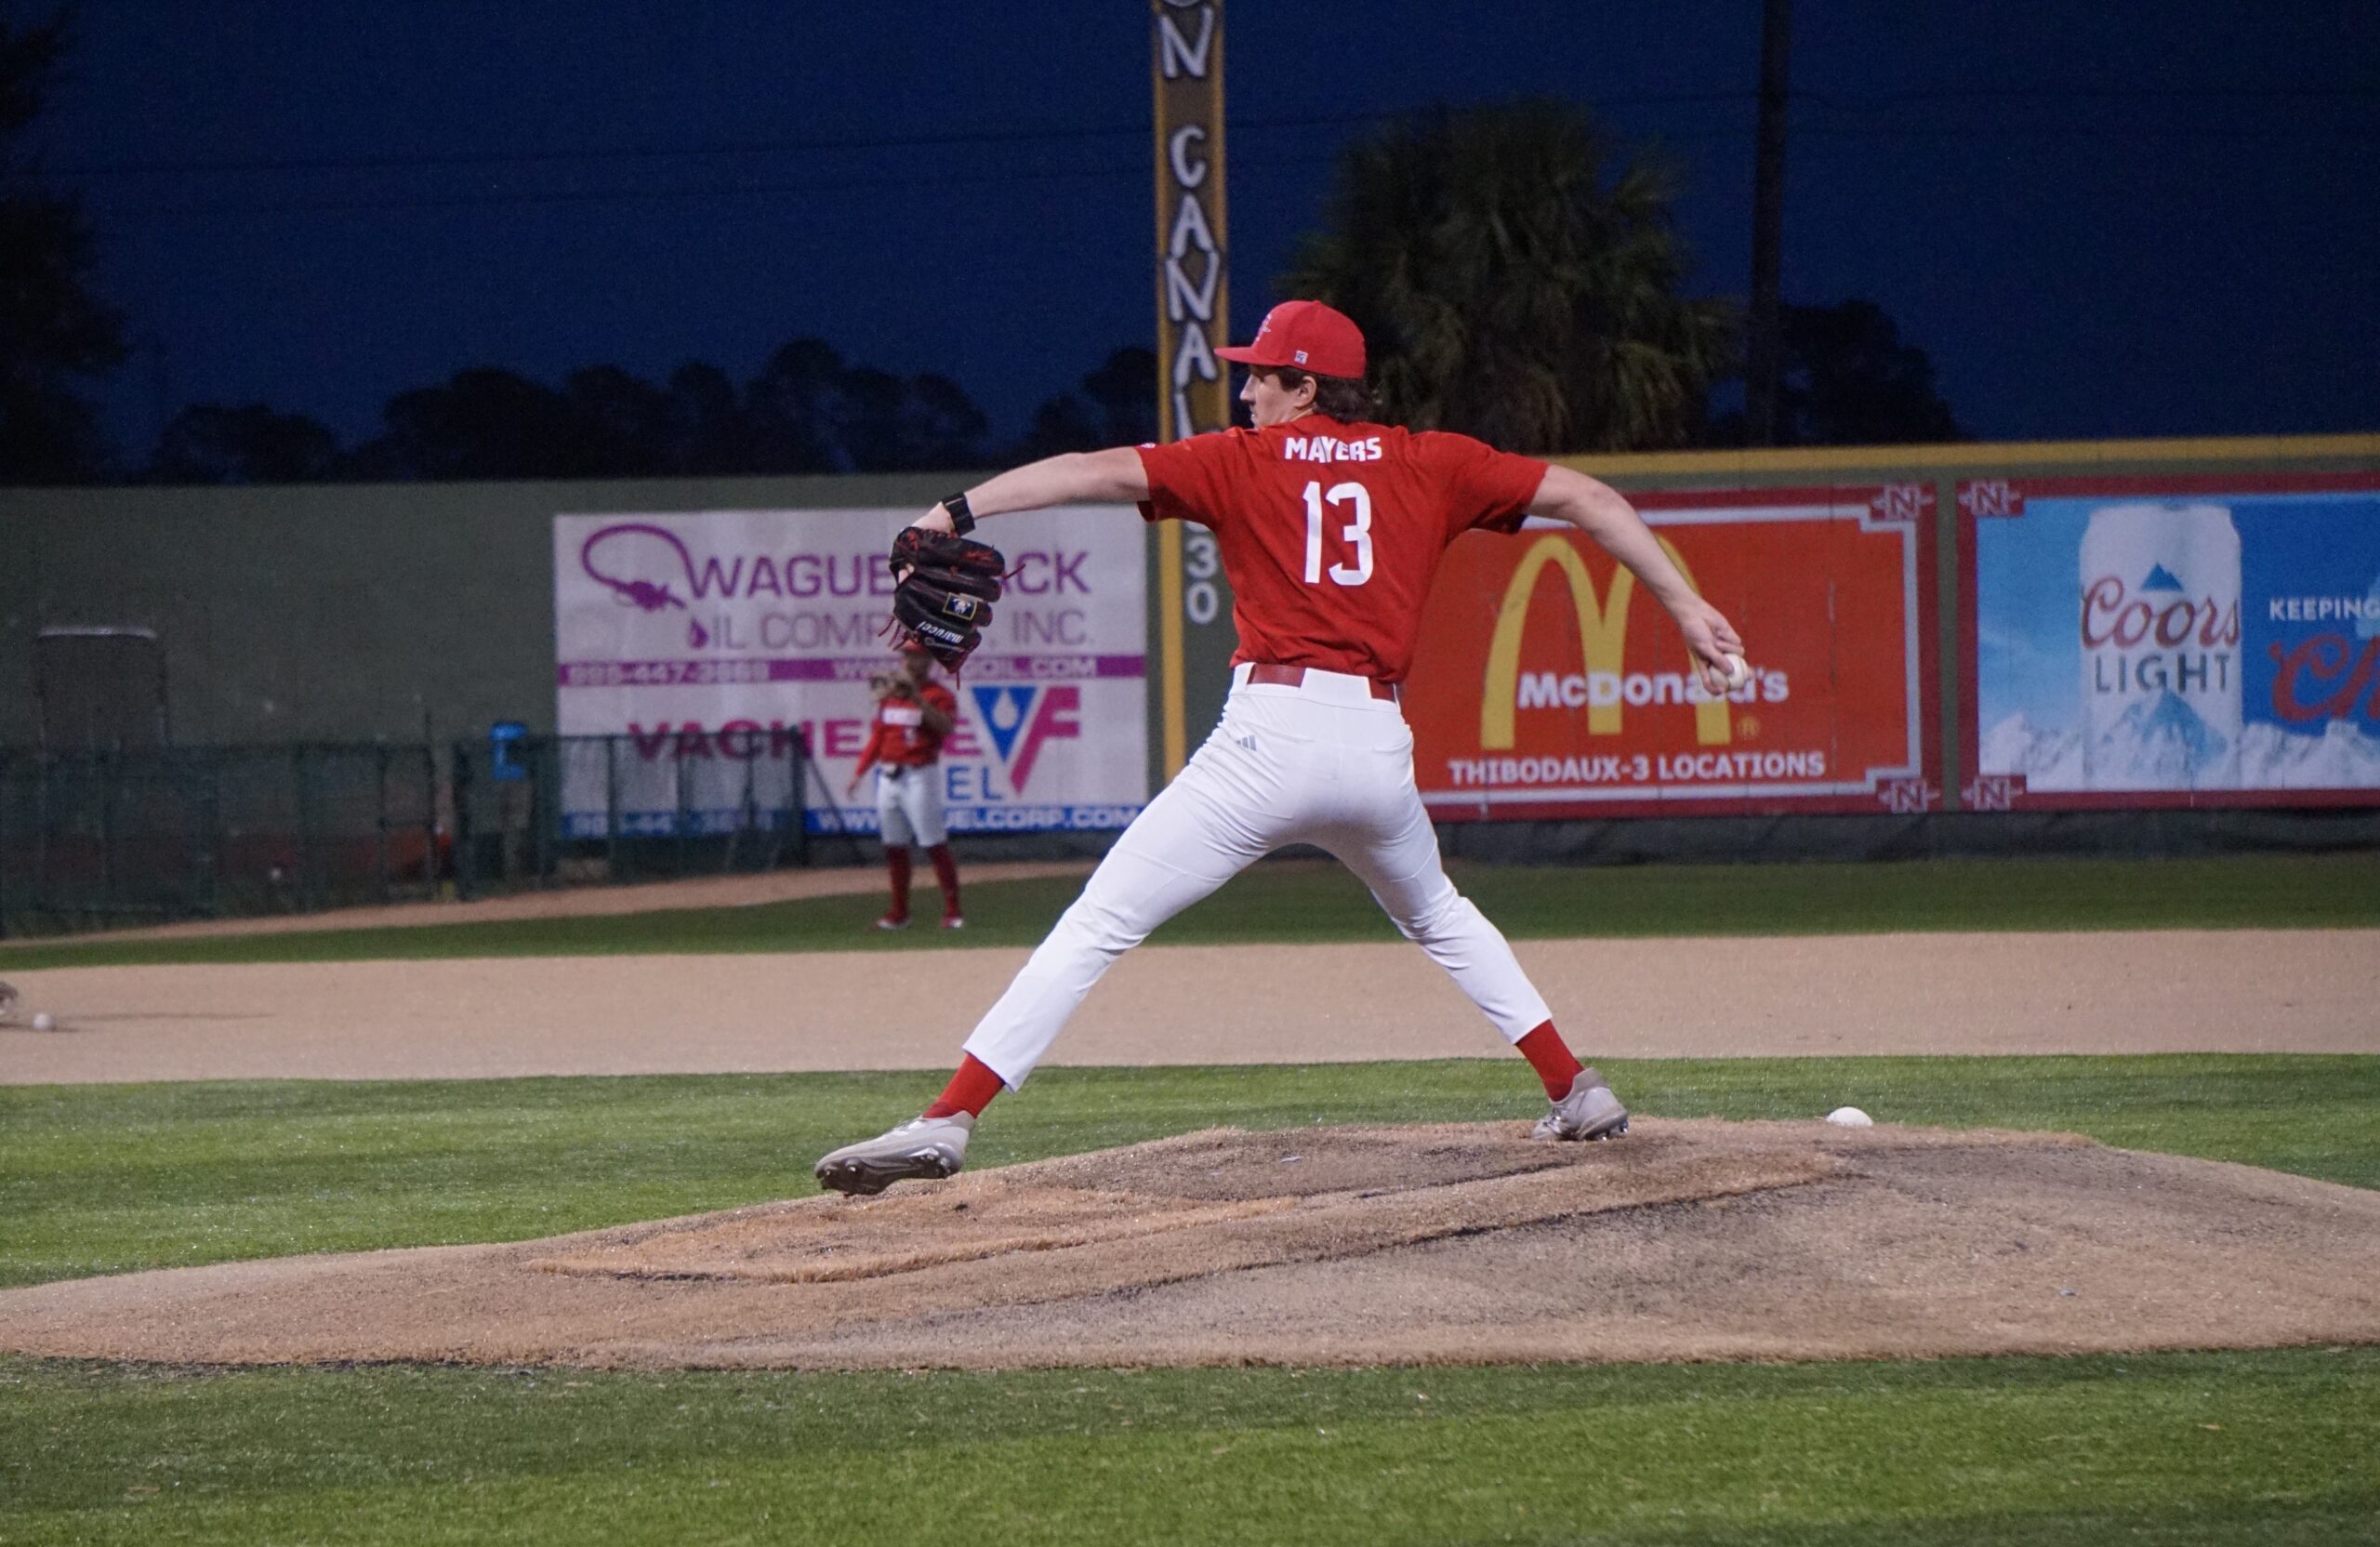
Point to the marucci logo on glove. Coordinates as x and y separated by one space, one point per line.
948 586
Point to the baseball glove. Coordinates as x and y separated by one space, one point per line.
945 598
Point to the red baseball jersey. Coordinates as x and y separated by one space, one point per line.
900 738
1330 532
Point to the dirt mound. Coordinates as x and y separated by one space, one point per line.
1343 1245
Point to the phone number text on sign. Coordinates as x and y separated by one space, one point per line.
616 674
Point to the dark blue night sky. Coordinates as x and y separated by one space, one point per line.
2109 219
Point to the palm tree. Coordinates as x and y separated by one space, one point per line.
1508 291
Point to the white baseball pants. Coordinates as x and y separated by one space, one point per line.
1323 762
908 806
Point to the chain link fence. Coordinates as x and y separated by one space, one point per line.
560 811
123 836
114 837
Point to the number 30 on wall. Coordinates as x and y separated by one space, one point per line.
1201 601
1357 532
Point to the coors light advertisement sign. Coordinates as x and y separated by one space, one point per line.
2145 645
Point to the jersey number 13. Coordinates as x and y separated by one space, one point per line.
1357 533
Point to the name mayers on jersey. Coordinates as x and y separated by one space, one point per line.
1322 448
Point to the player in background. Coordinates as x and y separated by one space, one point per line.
1329 526
914 715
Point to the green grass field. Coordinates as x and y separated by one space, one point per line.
2267 1447
1318 901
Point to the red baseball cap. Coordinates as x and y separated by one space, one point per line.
1309 335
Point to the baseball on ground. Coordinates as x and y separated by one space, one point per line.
1850 1117
45 1022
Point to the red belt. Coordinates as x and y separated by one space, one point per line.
1271 675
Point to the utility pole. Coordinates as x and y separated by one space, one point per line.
1767 224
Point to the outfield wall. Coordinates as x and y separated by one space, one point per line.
360 614
338 611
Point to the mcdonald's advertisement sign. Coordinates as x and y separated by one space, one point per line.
1549 684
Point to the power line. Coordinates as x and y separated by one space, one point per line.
1819 126
1241 164
825 144
443 159
2137 93
434 160
492 199
2091 131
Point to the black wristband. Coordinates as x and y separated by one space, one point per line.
962 519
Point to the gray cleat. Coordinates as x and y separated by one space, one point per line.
922 1149
1590 1111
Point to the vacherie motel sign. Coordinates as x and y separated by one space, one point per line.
1542 687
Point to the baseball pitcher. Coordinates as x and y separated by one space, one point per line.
1329 526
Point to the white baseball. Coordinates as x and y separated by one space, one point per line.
1850 1117
1720 680
45 1022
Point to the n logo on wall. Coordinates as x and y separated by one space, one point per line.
1021 720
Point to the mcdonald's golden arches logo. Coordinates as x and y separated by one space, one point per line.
1603 632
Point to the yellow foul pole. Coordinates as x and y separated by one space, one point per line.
1193 296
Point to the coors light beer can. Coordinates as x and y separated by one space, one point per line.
2160 648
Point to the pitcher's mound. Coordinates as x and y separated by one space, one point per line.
1687 1240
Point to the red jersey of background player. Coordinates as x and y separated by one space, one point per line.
900 738
1330 532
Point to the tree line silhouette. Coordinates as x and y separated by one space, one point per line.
807 410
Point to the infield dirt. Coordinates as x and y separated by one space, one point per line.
1329 1246
2163 991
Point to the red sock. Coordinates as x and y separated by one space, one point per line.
970 1090
1552 1058
945 875
896 861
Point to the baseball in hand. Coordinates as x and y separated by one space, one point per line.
1719 681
